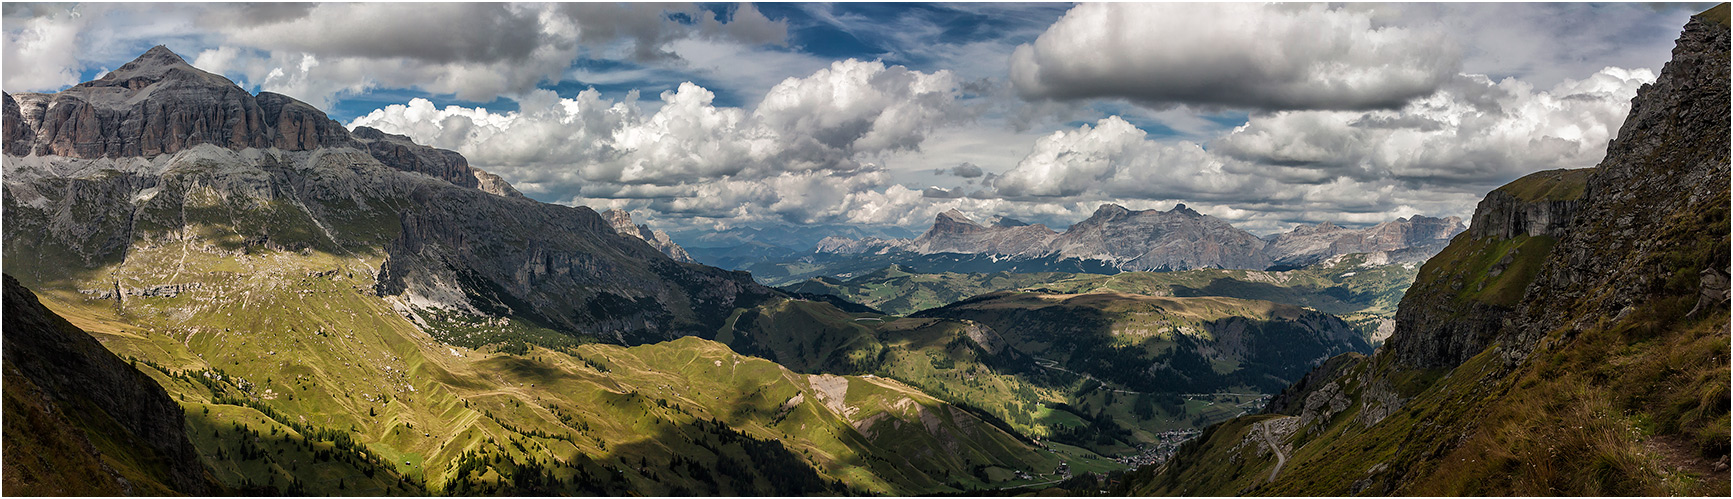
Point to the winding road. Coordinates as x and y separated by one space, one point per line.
1281 458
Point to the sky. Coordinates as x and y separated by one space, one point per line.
720 116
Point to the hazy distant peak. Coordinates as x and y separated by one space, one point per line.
954 216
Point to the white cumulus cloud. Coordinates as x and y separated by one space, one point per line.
802 155
1472 134
43 53
1116 159
1263 56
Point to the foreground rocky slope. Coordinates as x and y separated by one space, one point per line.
1178 239
80 421
1602 369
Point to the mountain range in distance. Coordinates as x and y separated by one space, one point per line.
1153 240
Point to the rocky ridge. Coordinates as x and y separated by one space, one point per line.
1177 239
158 104
281 177
1405 239
622 222
1459 300
493 184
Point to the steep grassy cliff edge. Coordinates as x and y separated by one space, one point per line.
1573 342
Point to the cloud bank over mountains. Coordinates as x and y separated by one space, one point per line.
726 115
1268 57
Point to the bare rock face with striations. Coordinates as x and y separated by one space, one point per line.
954 232
1456 307
158 104
95 173
493 184
1176 239
1404 239
397 151
622 222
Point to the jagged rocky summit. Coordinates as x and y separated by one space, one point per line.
1177 239
160 154
622 223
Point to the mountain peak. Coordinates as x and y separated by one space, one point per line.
155 65
1181 209
159 55
953 216
1109 210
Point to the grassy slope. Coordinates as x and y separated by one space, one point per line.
1365 295
317 348
1021 377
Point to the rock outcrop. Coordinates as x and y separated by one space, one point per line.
397 151
158 104
1657 200
1540 204
1459 300
1404 239
64 391
622 222
493 184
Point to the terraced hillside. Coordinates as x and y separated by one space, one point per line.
1104 372
1573 342
319 367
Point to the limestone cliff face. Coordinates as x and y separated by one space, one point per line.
1176 239
158 104
1405 239
1540 204
1459 301
493 184
397 151
954 232
622 222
